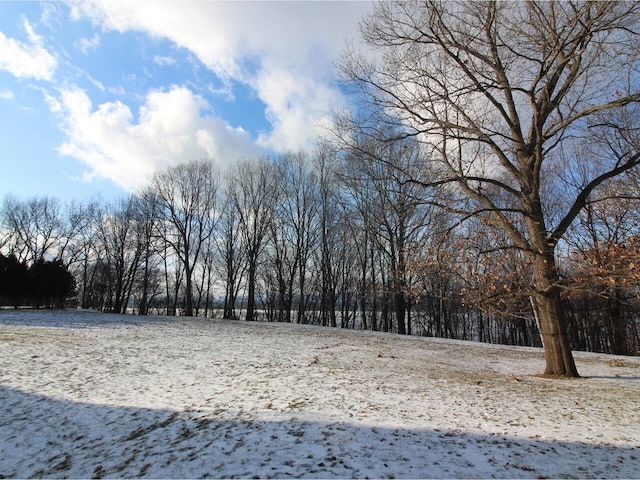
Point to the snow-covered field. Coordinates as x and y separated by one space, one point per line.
91 395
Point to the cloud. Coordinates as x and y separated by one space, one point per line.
26 60
283 50
87 44
171 127
164 60
6 95
295 106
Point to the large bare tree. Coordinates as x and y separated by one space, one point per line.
119 232
186 197
231 255
252 188
383 180
297 220
503 95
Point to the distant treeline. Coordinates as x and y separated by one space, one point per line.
43 284
316 239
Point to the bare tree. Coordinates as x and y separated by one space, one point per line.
145 213
325 164
230 255
86 250
124 249
281 268
500 93
185 196
381 176
39 228
252 187
297 213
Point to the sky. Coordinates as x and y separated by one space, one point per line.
95 95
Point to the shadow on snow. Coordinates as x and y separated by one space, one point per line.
47 437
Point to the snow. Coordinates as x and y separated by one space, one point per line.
94 395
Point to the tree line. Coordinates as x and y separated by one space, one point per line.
335 238
482 185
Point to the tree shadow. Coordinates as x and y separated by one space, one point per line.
48 437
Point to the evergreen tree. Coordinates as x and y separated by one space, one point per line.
14 284
51 284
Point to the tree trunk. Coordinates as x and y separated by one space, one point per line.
229 296
553 326
301 302
615 322
399 308
144 300
188 310
251 290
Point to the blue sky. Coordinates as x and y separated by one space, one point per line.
95 95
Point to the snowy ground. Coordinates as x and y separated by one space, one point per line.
91 395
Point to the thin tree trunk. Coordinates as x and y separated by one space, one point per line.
615 322
188 310
144 300
251 289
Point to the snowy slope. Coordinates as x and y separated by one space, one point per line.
85 394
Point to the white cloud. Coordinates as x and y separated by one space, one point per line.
31 34
87 44
283 50
170 128
295 105
26 60
6 95
164 60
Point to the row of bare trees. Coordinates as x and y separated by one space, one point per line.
340 238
